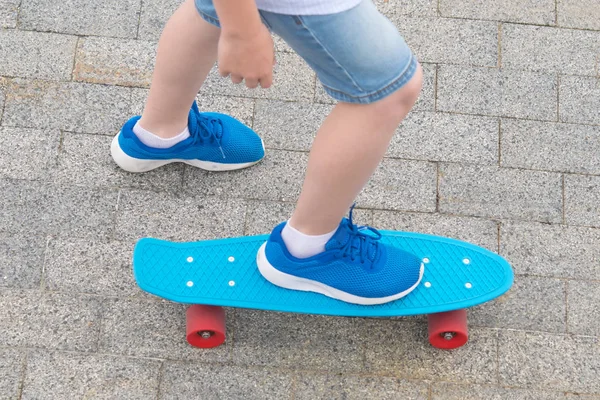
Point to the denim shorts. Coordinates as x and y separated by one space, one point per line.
358 54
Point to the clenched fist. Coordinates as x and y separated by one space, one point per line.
247 57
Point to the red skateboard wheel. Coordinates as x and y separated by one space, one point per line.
205 326
448 330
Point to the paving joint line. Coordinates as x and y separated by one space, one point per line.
566 289
564 203
139 21
503 21
23 375
74 65
161 375
500 26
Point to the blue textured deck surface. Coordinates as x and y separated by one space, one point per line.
223 272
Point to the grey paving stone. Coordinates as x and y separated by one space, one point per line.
187 381
423 8
546 49
309 387
294 341
539 12
85 160
11 368
53 321
32 207
497 92
36 54
401 185
110 18
289 126
584 14
292 80
112 61
479 231
584 307
447 137
426 101
551 250
54 375
3 84
494 192
567 363
535 304
21 260
138 100
449 391
72 106
278 177
566 147
1 99
28 153
238 107
9 10
90 266
154 16
178 216
263 216
281 45
451 41
579 99
150 328
402 349
582 200
321 95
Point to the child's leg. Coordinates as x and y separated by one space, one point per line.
187 50
346 151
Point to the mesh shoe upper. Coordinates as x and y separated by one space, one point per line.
214 137
354 261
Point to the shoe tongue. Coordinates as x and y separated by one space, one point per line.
340 237
193 117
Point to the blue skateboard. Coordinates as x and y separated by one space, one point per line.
212 274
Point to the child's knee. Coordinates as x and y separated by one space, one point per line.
399 103
409 93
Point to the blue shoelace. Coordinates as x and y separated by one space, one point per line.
360 241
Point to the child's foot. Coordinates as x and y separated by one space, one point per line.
217 142
355 267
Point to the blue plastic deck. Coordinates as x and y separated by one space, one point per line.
223 272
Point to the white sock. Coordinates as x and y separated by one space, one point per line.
303 246
151 140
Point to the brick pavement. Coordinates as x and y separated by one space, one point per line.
502 149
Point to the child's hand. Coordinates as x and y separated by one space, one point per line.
247 56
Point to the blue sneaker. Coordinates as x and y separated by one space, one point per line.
217 142
355 267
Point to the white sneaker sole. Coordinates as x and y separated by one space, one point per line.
132 164
287 281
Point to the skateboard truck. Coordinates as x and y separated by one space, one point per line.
206 334
449 335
